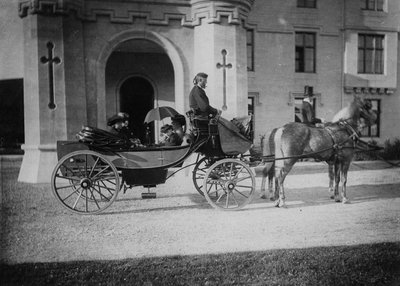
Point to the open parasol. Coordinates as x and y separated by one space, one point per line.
159 113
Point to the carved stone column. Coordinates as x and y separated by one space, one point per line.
49 58
218 27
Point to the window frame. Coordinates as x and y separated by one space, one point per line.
377 65
372 5
301 55
251 108
250 44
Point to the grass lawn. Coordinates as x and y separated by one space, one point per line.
377 264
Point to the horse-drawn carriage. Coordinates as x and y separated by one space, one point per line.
91 173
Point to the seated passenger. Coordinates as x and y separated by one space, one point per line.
170 137
178 123
118 124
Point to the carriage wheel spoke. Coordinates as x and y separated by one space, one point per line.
77 199
242 186
234 198
241 193
94 199
69 186
67 178
242 179
86 201
105 187
101 172
220 197
94 166
73 192
238 172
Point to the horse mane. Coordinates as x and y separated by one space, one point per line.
351 111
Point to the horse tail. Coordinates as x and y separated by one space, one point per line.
269 153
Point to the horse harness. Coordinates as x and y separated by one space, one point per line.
337 146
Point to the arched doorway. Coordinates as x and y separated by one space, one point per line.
136 99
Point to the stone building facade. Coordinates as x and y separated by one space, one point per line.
86 60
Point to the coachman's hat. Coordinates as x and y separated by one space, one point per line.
308 90
119 117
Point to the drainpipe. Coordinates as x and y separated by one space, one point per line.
343 51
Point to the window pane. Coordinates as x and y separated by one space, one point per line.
309 60
310 3
361 61
249 35
371 4
369 42
309 40
299 39
361 41
300 3
379 5
368 61
379 62
363 4
379 42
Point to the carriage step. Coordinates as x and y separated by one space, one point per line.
149 195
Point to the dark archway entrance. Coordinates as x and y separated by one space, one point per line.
136 99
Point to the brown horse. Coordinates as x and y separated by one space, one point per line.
333 143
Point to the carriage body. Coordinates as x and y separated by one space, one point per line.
89 176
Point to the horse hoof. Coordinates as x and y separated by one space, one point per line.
276 204
337 200
332 197
345 201
263 197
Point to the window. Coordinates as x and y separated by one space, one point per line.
250 111
372 5
307 3
250 49
305 52
370 54
373 130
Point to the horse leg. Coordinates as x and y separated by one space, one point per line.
281 175
273 193
265 172
343 178
337 181
331 173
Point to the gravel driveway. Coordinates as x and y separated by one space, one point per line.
36 228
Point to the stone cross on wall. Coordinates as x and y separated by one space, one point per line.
224 66
50 61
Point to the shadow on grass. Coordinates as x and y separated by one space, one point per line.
375 264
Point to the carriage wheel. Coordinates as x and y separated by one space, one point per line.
85 182
229 184
199 173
